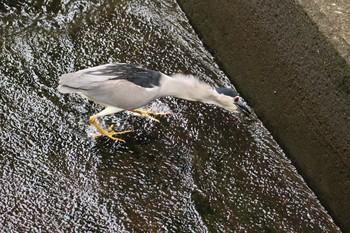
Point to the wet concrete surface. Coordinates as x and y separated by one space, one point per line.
332 19
202 169
290 59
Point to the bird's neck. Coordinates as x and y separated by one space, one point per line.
190 88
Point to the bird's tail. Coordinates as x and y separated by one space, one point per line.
67 84
67 89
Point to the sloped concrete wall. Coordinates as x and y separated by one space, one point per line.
294 77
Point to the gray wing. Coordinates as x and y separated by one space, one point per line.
88 78
124 86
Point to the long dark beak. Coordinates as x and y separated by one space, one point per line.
243 108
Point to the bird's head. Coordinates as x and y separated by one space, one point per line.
233 102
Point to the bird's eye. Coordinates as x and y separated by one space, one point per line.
236 99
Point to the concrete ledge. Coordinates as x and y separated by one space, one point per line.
296 76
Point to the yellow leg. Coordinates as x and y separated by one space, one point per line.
147 113
108 133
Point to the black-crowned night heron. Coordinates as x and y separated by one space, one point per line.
120 87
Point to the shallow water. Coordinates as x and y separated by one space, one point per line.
202 169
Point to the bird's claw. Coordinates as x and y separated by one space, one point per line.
147 114
109 133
